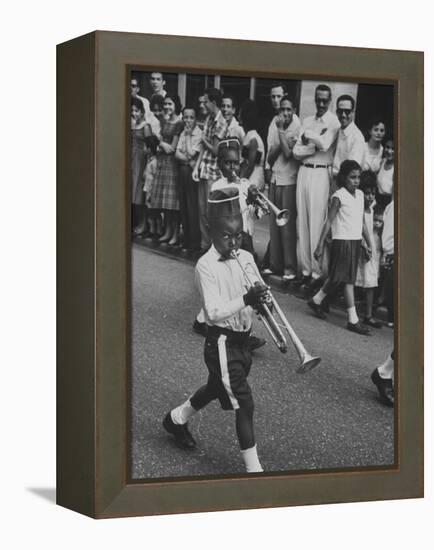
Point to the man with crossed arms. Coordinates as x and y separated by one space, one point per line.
315 148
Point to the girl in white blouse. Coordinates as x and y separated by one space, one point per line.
385 175
374 147
348 225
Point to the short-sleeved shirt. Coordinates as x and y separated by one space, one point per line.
284 171
222 286
348 222
196 137
214 127
350 146
387 240
385 180
235 131
372 161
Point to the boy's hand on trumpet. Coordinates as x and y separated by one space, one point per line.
252 194
256 295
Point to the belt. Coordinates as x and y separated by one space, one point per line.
233 336
308 165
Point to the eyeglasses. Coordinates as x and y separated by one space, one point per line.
340 111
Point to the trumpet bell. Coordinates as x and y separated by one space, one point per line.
282 218
308 364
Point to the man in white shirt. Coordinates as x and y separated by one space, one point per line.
157 83
228 108
315 149
351 143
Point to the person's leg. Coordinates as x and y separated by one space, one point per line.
184 182
288 233
192 213
276 263
175 228
203 209
389 292
382 377
304 175
318 195
168 220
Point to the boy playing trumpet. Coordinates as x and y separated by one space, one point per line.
228 301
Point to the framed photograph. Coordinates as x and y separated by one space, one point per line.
240 274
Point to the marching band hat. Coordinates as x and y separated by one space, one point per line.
224 203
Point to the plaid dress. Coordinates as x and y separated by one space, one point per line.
165 193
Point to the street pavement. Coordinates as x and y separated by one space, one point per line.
329 418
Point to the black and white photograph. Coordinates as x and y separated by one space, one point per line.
262 274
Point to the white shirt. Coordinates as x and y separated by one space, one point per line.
385 180
350 146
222 286
284 170
348 222
247 210
372 161
235 130
321 133
387 240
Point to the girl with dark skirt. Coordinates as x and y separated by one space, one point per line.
348 226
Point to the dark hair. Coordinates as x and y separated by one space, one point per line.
374 121
368 180
156 99
346 167
157 72
287 98
346 97
176 100
277 84
189 107
230 144
138 103
323 88
231 97
214 95
249 115
389 137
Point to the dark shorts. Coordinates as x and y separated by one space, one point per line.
228 358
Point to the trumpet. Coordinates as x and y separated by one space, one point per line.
274 328
263 203
267 207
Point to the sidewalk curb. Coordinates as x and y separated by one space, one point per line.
274 281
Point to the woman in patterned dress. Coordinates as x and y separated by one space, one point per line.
165 193
138 163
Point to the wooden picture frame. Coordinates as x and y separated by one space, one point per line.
93 290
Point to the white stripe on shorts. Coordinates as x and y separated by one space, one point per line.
225 372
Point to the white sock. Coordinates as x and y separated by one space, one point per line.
251 460
181 414
386 369
319 297
352 315
201 316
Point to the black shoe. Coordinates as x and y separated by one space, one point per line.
358 329
255 343
384 387
180 432
371 322
317 309
200 328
